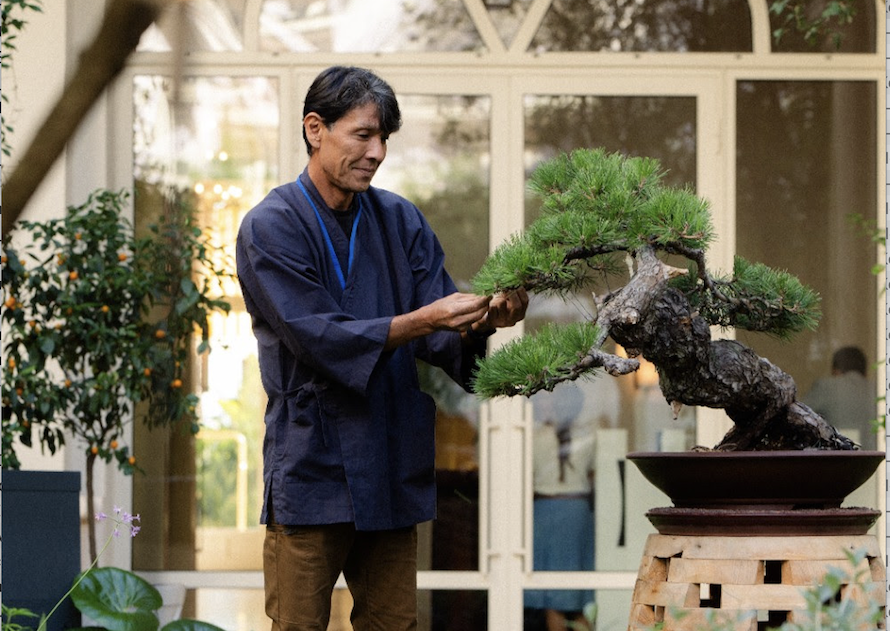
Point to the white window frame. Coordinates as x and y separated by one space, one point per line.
508 75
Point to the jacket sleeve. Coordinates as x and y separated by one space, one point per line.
444 349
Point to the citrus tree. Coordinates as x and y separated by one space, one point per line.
96 320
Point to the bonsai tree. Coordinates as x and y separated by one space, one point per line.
606 214
96 320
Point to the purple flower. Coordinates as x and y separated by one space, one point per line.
122 518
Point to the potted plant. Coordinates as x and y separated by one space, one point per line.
97 320
609 214
600 209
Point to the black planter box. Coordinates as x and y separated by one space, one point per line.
41 543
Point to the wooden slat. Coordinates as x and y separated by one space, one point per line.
878 571
695 619
866 593
799 615
653 569
812 572
763 548
736 571
773 596
675 570
642 616
664 594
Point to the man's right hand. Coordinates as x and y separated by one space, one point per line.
455 312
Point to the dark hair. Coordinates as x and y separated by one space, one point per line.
849 358
340 89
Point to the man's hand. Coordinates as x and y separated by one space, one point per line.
505 310
455 312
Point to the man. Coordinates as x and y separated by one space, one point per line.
346 286
848 398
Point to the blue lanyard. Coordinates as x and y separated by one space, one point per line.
327 237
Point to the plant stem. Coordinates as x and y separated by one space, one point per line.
82 576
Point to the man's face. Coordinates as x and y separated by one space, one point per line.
345 156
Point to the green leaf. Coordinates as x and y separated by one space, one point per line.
117 599
188 287
190 625
48 345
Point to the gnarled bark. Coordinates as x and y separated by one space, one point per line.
649 317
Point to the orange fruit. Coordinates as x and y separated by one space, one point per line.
160 334
94 450
105 309
10 302
132 460
113 444
72 275
11 362
67 383
4 259
147 372
78 236
176 383
122 256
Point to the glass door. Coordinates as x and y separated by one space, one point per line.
587 502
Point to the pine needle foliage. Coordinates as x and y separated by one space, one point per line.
595 204
520 262
756 298
673 218
532 363
598 208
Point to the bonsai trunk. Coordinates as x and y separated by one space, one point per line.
649 317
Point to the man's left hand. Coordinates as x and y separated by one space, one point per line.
504 310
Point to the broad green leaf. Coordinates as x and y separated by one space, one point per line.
117 599
190 625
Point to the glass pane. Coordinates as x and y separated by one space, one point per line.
507 16
581 435
205 25
382 26
604 609
647 25
806 171
563 466
661 127
439 160
856 37
217 150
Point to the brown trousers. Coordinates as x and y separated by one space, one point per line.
301 564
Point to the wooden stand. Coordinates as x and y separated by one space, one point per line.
684 579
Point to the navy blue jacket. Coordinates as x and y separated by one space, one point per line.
349 434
